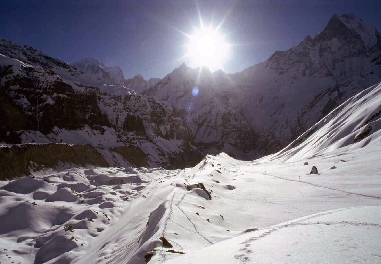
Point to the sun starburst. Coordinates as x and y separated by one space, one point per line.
207 48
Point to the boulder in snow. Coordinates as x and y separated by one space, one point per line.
314 170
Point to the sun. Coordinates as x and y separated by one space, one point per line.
207 48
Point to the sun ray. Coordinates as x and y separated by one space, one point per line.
199 75
199 14
226 15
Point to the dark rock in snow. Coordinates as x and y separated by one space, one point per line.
149 255
200 190
166 243
314 170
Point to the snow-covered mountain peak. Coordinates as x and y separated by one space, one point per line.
180 74
335 28
349 25
90 61
365 30
101 72
307 40
138 77
183 66
31 56
139 84
347 46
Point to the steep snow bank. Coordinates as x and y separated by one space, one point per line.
354 124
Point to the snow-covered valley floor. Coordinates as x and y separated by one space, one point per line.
118 215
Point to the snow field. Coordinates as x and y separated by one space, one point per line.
53 217
117 215
245 196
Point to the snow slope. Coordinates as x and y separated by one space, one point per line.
250 195
345 147
354 124
347 235
235 199
46 216
115 215
146 205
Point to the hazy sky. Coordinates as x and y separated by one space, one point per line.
143 37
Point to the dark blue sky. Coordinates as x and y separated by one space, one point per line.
141 37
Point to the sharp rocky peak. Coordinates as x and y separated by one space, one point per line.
183 66
335 28
179 73
138 77
89 62
348 25
367 32
345 38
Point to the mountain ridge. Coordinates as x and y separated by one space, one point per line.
248 114
105 74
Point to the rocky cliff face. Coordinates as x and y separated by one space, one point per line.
205 101
139 85
20 160
47 101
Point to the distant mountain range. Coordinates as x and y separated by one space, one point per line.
99 72
173 122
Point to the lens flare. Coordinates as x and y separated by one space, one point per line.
195 91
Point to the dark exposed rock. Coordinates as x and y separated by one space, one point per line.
148 256
133 123
37 100
174 251
18 160
365 131
200 186
314 170
166 243
134 155
335 28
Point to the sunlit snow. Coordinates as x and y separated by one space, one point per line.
223 210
